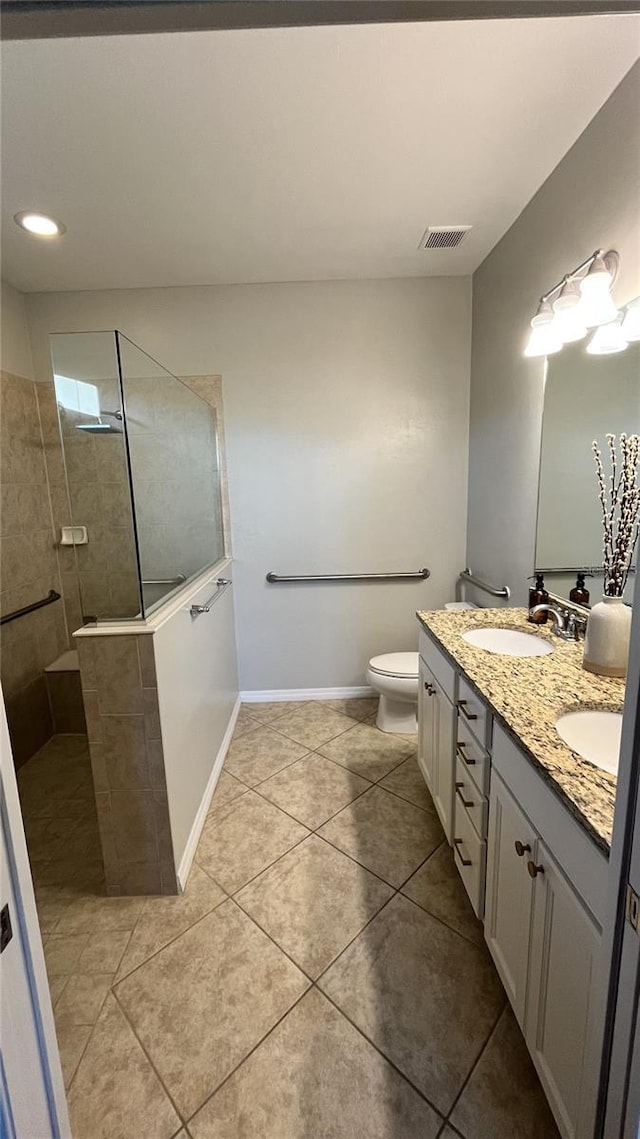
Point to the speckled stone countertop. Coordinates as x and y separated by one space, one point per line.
527 694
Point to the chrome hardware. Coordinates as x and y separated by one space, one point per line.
462 705
465 861
465 802
417 575
221 584
469 578
178 580
534 870
522 848
567 625
575 626
461 752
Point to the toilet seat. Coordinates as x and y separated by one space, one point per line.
395 664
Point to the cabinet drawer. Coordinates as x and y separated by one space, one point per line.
474 757
470 854
474 712
441 668
468 798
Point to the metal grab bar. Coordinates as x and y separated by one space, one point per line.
196 610
165 580
417 575
48 600
495 591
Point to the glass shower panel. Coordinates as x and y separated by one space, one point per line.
173 450
87 385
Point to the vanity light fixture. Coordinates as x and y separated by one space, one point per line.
41 225
608 339
580 301
631 320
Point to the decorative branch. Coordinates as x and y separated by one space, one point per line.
620 502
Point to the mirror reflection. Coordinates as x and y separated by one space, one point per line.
586 397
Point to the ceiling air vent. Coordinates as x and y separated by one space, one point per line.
443 236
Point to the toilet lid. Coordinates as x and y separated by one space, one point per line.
395 664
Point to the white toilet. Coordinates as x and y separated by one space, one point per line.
395 677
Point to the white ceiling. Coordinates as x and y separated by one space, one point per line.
290 154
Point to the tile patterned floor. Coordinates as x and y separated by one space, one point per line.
322 973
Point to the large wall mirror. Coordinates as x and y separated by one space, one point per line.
585 398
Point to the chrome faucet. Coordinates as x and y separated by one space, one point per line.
567 624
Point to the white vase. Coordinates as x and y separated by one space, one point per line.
606 643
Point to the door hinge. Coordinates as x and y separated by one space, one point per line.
632 908
6 932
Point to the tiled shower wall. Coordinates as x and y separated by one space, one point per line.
28 569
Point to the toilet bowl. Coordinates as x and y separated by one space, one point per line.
395 677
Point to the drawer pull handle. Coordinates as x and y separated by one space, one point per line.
521 847
463 756
465 802
457 842
534 870
462 705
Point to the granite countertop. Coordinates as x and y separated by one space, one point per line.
527 694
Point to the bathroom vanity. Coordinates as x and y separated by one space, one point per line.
530 826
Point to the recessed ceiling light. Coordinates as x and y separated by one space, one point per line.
39 224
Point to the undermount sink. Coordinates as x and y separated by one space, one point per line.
508 642
594 736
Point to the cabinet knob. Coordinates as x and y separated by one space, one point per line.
534 870
521 847
429 689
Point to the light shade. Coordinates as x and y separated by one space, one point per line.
568 323
631 321
608 339
597 305
39 224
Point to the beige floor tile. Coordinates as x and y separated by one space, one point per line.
116 1092
88 914
244 839
72 1041
359 708
407 781
313 902
386 834
83 998
259 753
62 953
56 988
313 724
313 789
503 1097
103 952
202 1003
423 994
227 789
437 887
315 1077
244 723
269 711
368 751
163 919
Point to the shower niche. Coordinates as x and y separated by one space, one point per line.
142 482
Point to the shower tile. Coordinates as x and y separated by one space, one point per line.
115 503
125 752
146 653
243 838
124 593
437 888
345 1087
312 724
87 659
151 714
134 826
140 878
313 789
385 834
259 753
368 751
407 781
313 901
118 675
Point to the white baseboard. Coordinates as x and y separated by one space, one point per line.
198 822
277 694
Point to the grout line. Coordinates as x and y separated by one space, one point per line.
273 941
441 921
473 1067
351 941
148 1058
171 940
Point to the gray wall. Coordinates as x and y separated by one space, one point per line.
346 408
591 200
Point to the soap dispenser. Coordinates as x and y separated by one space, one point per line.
538 595
580 594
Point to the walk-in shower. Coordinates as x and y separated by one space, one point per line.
141 474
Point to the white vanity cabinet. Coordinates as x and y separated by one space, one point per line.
545 899
436 729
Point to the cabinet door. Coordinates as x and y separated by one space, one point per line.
509 892
444 759
426 724
563 1021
